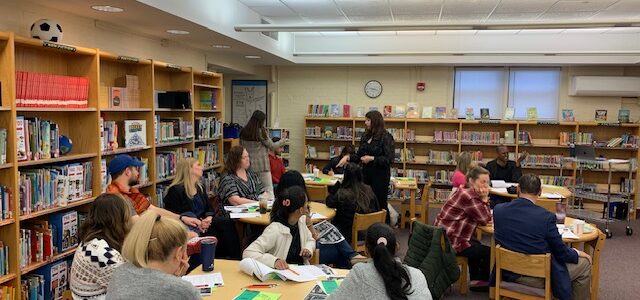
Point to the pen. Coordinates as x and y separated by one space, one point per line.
294 272
260 286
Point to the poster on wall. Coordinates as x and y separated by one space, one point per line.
246 97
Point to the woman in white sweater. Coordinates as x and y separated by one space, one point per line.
384 276
287 239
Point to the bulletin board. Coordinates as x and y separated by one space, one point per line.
246 97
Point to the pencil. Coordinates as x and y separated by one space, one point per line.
259 286
294 272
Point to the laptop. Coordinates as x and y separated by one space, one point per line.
585 152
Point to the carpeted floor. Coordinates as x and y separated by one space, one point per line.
619 265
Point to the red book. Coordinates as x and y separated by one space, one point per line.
346 111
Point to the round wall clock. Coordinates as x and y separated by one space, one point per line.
373 88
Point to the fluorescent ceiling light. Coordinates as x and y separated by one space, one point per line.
177 31
252 56
426 26
219 46
107 8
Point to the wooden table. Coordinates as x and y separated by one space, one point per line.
321 179
563 191
585 237
234 280
409 184
316 207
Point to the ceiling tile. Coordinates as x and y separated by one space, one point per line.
313 7
564 16
364 7
463 17
286 20
513 17
468 6
273 11
370 19
580 5
524 6
415 7
260 2
415 18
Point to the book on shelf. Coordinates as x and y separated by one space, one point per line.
400 111
55 277
135 133
453 114
388 111
601 115
484 114
207 128
36 138
524 137
440 136
543 161
65 230
51 91
161 193
108 135
567 115
7 292
105 178
167 160
207 155
413 110
3 146
509 113
360 112
313 132
208 100
173 129
427 112
509 137
325 110
334 151
4 259
532 113
346 111
480 137
469 114
311 152
6 202
623 115
441 112
397 133
335 111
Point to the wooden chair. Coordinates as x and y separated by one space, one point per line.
538 265
594 248
463 263
66 295
360 223
422 207
317 193
549 204
315 259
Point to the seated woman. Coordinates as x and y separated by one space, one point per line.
465 209
384 276
463 164
287 239
156 254
101 236
187 198
339 254
238 184
331 168
353 196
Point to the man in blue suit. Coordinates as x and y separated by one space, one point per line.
525 227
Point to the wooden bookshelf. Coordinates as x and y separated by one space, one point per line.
545 141
82 125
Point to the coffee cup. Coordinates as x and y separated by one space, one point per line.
208 254
316 172
579 226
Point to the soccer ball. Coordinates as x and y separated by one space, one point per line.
47 30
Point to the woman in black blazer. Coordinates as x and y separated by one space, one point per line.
187 198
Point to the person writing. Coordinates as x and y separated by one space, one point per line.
332 168
287 240
465 209
156 254
376 153
383 276
525 227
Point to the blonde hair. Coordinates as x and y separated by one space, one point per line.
153 238
464 162
183 176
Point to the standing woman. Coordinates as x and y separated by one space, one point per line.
255 139
376 153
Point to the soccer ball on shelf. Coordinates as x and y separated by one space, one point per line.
47 30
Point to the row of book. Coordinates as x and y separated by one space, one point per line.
41 239
442 157
625 141
208 128
208 99
7 292
37 138
207 155
124 94
166 161
6 203
438 195
54 186
543 160
340 132
51 91
46 283
329 110
556 180
161 193
135 134
308 168
397 133
3 146
567 138
108 135
173 129
4 259
440 136
481 137
404 155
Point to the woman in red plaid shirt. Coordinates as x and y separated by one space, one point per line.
467 208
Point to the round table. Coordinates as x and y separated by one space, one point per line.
563 191
316 207
585 237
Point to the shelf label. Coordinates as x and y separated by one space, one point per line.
611 124
128 59
489 121
47 44
174 67
205 73
548 123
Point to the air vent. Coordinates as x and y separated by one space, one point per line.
273 35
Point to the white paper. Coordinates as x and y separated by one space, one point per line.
339 176
209 280
499 190
551 196
566 233
244 215
253 267
498 184
315 216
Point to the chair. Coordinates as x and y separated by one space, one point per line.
317 193
66 295
463 263
549 204
594 248
315 259
423 210
534 265
360 223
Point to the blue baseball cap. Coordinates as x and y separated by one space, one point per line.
122 162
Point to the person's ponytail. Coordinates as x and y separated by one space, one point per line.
381 245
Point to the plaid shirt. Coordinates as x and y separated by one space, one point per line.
461 214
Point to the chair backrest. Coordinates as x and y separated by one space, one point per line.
317 193
548 204
594 248
315 259
533 265
362 222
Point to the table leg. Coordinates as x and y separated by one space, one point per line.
492 263
412 204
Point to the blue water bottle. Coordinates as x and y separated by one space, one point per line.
208 254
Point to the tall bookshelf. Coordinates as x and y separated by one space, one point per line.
421 136
82 125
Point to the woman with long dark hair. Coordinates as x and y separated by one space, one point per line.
376 153
353 196
255 139
383 276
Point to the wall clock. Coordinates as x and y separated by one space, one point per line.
373 88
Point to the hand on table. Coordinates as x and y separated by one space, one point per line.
306 253
331 173
281 264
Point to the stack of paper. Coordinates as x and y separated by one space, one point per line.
205 283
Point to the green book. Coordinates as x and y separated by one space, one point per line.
532 113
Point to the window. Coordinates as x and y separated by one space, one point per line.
479 88
534 88
497 88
